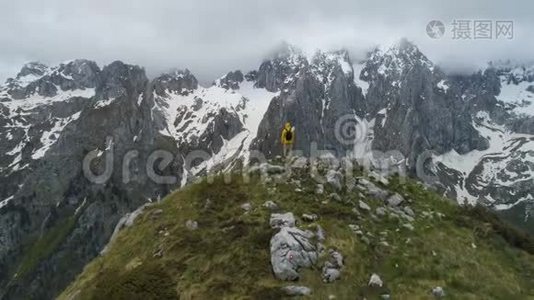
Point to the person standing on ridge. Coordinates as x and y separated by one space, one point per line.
287 139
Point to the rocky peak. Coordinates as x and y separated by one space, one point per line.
33 68
37 78
326 65
394 61
485 82
282 69
120 79
514 72
286 51
82 73
179 82
231 80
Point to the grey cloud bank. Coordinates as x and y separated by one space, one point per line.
213 37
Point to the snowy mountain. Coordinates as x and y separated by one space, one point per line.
478 128
500 175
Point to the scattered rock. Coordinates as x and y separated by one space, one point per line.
191 224
371 189
207 204
158 252
380 211
300 163
364 206
374 217
401 213
438 292
428 214
394 200
336 258
375 281
282 220
335 196
356 211
334 178
408 226
409 211
320 248
271 191
246 206
320 233
296 290
310 217
377 193
354 227
272 169
267 169
319 190
350 183
270 205
291 249
380 177
156 213
384 243
332 268
393 216
330 274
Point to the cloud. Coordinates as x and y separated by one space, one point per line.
213 37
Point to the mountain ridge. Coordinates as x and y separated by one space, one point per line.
77 110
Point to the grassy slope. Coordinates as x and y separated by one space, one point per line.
228 256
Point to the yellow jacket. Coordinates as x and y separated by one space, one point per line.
283 137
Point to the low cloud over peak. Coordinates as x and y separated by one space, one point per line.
212 37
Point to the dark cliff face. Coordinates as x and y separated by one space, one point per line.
54 195
53 219
221 123
181 82
504 173
77 74
404 97
416 105
313 97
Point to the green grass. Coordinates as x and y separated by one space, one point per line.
228 256
45 246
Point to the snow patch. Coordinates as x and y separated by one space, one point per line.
518 95
50 137
494 160
364 85
6 201
35 100
103 103
443 86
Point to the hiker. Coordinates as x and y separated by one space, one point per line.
287 139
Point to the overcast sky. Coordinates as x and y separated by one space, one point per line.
213 37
